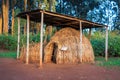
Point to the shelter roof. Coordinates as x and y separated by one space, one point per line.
57 19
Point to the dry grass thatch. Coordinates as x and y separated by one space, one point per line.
64 47
34 53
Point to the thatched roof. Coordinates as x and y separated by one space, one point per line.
64 47
56 19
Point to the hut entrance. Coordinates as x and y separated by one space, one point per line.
54 53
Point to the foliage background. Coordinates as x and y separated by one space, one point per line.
98 43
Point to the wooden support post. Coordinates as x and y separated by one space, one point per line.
27 53
80 41
18 44
41 38
106 45
89 36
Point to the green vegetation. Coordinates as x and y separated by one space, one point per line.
10 54
8 42
112 62
98 43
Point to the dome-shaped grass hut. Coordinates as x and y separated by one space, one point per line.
64 47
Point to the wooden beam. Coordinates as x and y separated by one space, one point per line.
62 16
92 23
72 22
80 23
18 44
27 53
41 38
89 36
106 45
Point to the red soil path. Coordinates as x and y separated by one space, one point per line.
11 69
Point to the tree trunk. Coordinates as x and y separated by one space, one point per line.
0 23
5 8
48 34
12 21
25 9
12 27
25 5
25 28
50 5
38 27
28 5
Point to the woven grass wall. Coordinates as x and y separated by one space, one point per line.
34 53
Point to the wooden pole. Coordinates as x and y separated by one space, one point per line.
89 36
106 45
27 53
18 44
80 23
41 38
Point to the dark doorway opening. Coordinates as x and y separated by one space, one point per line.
54 53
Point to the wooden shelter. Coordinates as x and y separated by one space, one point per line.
56 19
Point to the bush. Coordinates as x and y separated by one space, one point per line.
98 43
114 45
8 42
98 46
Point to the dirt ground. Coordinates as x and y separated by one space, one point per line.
11 69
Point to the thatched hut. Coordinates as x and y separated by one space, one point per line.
64 47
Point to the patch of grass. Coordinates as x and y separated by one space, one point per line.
8 54
112 62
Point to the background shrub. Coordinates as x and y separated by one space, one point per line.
98 43
8 42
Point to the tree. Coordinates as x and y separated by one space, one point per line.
5 13
106 13
117 21
52 4
77 8
13 12
25 5
25 9
0 23
0 17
